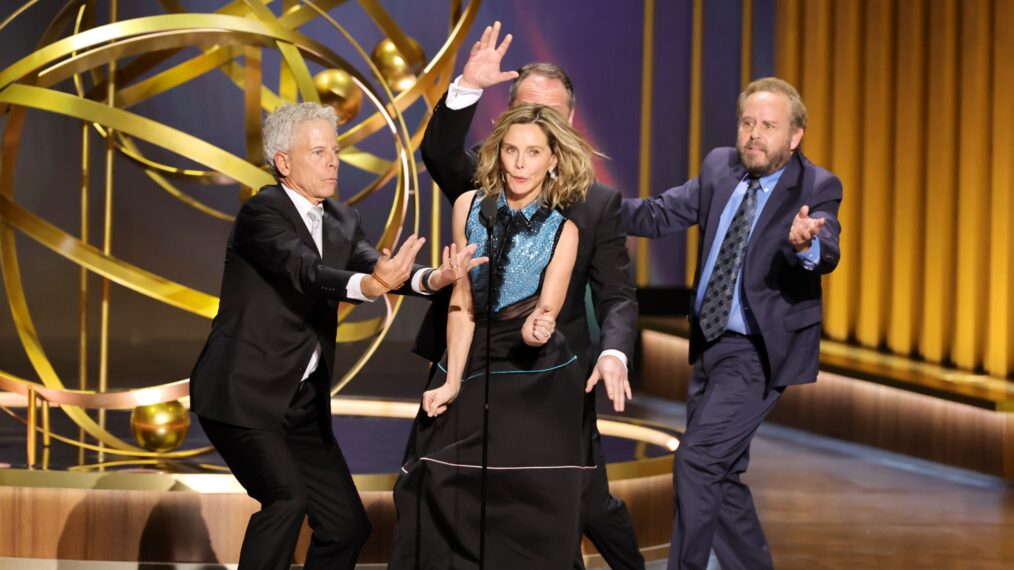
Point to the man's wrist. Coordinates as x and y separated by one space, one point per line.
810 257
464 83
373 287
615 354
424 281
361 288
459 97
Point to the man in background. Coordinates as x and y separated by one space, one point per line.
602 263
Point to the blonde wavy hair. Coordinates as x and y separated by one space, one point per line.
574 170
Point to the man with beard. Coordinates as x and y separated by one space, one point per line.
769 230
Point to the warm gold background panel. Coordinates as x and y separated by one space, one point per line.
1000 348
941 183
909 105
644 163
974 130
694 148
908 198
878 125
816 81
791 34
815 78
840 305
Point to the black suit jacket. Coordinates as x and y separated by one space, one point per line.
602 258
782 297
278 300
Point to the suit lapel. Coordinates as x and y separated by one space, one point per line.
787 187
332 238
724 188
293 214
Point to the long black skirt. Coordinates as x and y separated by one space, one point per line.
536 462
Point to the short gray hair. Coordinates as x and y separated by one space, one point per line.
280 128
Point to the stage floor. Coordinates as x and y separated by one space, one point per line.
824 504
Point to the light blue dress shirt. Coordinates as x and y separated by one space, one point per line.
738 321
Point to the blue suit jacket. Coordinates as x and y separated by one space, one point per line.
781 297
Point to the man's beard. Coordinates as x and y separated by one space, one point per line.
769 164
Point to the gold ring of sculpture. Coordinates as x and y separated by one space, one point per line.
25 84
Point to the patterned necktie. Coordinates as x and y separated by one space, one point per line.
714 317
316 214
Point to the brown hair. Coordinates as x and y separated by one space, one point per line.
775 85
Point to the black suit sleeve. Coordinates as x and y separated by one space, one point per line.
450 165
611 284
264 236
364 256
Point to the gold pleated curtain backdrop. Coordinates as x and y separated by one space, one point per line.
912 104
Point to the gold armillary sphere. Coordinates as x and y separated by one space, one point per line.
117 64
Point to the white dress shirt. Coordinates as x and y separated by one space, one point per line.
353 289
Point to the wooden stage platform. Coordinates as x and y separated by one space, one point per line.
194 511
875 466
825 504
863 396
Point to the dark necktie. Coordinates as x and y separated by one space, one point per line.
714 317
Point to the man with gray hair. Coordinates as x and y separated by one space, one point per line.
260 387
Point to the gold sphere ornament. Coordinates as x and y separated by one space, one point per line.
160 427
336 88
395 67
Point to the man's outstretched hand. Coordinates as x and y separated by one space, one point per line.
804 229
392 270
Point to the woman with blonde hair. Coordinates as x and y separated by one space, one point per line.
531 167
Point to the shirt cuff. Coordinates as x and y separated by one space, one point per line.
417 282
619 355
460 97
354 288
810 257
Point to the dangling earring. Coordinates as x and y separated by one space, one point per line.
552 175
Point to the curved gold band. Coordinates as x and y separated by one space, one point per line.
24 85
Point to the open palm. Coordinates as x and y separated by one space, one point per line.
482 69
